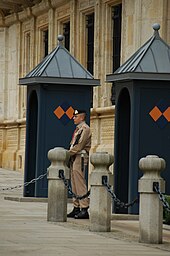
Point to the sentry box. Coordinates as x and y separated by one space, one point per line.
55 87
142 119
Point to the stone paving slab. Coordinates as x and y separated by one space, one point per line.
24 230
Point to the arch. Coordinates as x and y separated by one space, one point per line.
122 142
31 143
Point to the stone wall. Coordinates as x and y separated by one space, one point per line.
21 49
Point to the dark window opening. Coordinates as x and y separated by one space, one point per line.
45 42
90 42
27 52
66 33
90 46
116 19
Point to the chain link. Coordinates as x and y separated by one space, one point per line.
61 176
26 183
117 200
161 196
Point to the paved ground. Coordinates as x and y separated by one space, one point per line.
24 231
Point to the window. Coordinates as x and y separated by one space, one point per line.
116 19
45 43
66 33
90 42
27 54
90 47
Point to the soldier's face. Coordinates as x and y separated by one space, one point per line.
78 119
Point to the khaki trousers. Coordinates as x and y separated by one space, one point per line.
78 183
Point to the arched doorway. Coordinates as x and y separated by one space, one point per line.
31 143
122 139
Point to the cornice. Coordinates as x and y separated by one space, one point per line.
41 8
59 3
11 19
2 19
29 12
26 14
2 22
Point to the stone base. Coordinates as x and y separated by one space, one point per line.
9 160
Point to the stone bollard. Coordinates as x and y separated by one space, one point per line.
151 209
100 199
57 192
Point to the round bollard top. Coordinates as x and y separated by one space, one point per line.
58 154
101 158
152 163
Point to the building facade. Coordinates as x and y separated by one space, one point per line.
100 34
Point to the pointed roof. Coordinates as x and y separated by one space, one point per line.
152 57
59 67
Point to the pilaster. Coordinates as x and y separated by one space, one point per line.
73 32
51 29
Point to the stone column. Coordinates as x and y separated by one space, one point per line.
57 192
151 210
100 199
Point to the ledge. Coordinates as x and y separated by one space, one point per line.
30 199
26 199
103 110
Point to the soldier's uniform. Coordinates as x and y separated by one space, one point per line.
79 152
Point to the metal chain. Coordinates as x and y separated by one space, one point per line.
161 196
26 183
61 176
117 200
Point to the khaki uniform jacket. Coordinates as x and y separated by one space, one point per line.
81 140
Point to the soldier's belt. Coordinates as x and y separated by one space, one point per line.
83 153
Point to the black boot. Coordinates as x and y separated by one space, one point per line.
83 214
75 211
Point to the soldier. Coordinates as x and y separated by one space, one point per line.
79 152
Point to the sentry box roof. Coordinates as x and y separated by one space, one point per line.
151 61
59 67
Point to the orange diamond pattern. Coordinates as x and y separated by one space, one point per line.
166 114
155 113
70 112
59 112
64 112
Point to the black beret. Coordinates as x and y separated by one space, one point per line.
79 111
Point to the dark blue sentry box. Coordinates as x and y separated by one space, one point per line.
142 119
55 87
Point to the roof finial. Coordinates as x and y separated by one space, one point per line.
60 39
156 27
